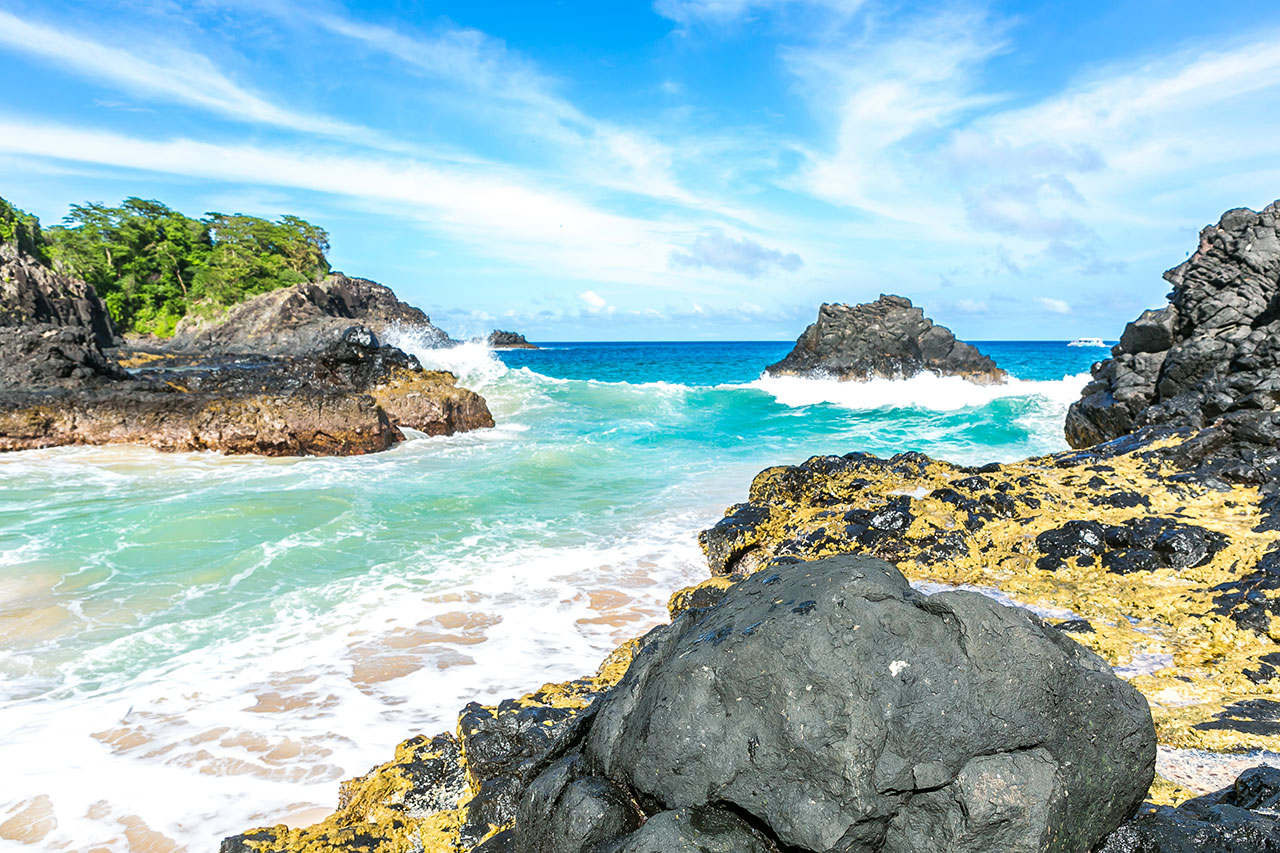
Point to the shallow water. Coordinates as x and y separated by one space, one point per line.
191 644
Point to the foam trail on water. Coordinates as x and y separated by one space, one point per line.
923 391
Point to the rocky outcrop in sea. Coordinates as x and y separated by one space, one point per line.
1208 361
885 339
508 340
316 384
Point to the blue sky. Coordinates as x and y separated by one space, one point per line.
681 169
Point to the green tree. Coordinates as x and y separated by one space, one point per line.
252 256
152 264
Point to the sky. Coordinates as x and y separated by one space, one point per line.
675 169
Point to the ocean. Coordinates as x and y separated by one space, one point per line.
193 644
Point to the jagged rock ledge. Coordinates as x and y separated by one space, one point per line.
1209 360
296 320
885 339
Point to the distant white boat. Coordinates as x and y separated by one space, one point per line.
1087 342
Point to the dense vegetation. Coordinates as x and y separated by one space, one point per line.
153 265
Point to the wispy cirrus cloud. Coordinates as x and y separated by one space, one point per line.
166 74
502 215
723 11
517 93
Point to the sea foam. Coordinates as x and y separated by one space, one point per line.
923 391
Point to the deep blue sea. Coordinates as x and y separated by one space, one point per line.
191 644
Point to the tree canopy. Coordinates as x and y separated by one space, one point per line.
152 264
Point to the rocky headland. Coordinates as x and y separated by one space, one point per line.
1208 362
299 371
508 340
885 339
806 698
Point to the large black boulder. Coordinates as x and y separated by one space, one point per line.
831 707
886 339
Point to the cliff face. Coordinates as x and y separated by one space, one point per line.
32 294
886 339
1208 359
297 319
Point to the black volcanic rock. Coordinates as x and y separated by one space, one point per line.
32 294
827 706
888 339
1209 360
303 318
339 393
45 356
1239 819
509 340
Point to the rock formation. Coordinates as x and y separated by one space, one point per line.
885 339
299 319
1114 534
32 294
885 720
330 403
1209 359
329 388
508 340
816 706
48 356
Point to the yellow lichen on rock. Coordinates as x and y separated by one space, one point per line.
1166 625
692 596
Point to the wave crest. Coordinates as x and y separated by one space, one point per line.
923 391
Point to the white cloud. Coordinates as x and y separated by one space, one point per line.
746 257
1110 169
886 89
1055 306
501 216
168 74
593 299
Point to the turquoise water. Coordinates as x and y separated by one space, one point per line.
199 642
